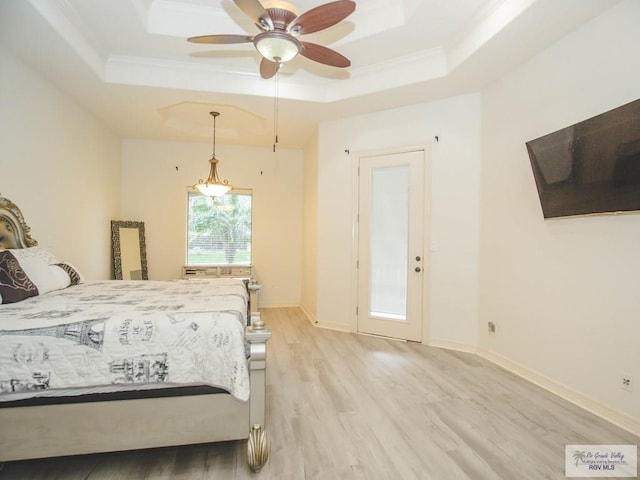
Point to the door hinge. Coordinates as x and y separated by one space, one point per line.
356 310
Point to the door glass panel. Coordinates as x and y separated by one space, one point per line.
389 242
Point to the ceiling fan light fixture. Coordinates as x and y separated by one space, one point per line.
277 46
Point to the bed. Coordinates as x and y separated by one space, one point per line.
99 366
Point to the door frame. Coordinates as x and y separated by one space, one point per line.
355 197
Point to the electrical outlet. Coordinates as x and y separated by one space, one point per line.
626 382
492 327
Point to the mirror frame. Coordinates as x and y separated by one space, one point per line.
116 252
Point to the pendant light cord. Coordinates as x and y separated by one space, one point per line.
213 154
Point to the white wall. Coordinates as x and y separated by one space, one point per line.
155 176
563 292
60 165
309 299
454 163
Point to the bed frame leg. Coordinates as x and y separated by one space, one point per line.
257 448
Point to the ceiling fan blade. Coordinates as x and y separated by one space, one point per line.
324 55
268 68
221 39
256 12
322 17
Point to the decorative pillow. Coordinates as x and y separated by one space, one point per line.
46 277
15 285
45 271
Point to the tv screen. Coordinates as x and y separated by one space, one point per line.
590 167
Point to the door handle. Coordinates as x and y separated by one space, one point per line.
418 269
418 259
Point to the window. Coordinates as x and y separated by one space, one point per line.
219 229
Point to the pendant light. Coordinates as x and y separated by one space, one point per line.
213 187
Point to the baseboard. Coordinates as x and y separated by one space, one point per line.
280 305
449 345
338 327
313 319
622 420
401 340
309 314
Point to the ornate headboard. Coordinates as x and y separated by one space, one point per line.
14 231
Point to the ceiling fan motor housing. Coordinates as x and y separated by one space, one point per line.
282 17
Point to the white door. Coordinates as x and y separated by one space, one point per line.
390 245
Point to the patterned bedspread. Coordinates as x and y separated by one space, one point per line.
127 333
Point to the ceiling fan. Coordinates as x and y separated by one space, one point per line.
280 26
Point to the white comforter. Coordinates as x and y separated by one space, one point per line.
124 333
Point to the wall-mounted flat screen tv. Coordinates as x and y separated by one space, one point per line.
590 167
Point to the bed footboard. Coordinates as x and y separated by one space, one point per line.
81 428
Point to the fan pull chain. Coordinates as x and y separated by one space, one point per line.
275 113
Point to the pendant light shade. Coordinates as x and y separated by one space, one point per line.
213 186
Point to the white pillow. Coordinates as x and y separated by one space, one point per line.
34 252
45 270
45 277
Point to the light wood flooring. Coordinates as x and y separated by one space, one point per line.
347 406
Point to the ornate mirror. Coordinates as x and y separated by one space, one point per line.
128 250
